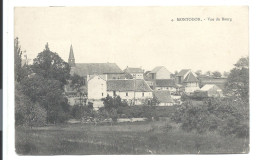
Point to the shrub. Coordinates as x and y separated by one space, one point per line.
223 115
26 112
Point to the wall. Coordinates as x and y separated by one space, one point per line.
191 87
163 73
172 89
138 96
137 75
97 86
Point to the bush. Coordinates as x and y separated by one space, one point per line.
26 112
223 115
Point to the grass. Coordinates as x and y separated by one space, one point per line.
160 137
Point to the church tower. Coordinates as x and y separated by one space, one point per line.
71 60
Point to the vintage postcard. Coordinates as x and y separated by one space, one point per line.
131 80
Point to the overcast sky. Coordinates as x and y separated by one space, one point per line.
137 36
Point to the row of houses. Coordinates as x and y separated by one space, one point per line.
133 85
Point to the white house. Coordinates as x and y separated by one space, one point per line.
188 80
159 72
135 92
136 73
97 88
165 85
212 90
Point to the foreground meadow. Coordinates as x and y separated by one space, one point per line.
160 137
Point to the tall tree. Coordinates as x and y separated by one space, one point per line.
49 65
238 80
17 59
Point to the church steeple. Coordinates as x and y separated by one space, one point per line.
71 60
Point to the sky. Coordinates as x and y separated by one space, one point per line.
137 36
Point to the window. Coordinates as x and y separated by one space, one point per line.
143 94
126 94
102 94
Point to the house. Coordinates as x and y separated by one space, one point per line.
159 72
136 73
164 98
220 82
97 88
188 80
166 84
86 70
134 91
212 90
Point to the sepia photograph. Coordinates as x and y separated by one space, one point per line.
131 80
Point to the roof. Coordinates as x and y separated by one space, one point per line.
220 82
128 85
183 72
163 96
208 87
134 70
156 69
84 69
190 78
100 76
165 83
71 56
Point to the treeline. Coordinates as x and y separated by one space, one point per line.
228 115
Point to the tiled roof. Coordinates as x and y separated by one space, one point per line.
190 78
165 83
163 96
134 70
84 69
183 72
128 85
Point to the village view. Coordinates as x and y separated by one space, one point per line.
65 107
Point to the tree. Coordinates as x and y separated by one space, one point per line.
20 70
112 106
49 94
208 73
77 82
217 74
226 74
242 63
17 59
237 84
26 112
198 72
49 65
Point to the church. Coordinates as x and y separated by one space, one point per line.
102 79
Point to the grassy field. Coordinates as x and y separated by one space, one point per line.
126 138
